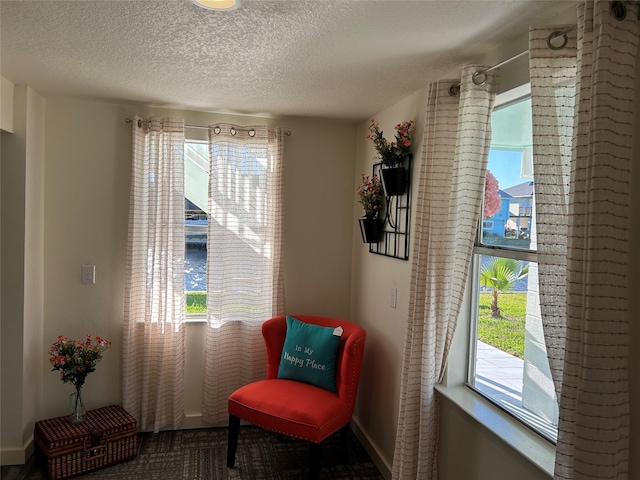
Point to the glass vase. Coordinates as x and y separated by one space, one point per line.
77 408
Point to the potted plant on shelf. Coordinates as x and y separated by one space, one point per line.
370 193
392 155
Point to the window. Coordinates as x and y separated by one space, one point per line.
196 168
245 213
508 362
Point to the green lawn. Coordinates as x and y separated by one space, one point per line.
196 302
506 333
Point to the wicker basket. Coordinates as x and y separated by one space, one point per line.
107 436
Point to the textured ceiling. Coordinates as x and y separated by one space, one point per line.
329 58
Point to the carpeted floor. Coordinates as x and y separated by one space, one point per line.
201 454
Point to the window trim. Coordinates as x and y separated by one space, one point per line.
530 445
515 253
507 99
526 442
194 317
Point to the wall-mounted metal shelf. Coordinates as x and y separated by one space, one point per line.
395 235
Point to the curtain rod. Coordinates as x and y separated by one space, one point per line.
454 89
216 129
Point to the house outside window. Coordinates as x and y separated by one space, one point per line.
507 362
520 208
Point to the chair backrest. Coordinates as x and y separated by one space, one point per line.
350 351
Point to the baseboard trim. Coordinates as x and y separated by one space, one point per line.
17 456
371 449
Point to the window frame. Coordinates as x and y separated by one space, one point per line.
502 251
194 317
251 168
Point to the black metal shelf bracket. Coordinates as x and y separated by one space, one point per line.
394 241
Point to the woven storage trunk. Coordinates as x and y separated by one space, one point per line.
106 437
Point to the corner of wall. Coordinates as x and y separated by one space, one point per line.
22 276
372 451
6 105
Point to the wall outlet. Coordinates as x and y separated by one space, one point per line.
88 274
394 297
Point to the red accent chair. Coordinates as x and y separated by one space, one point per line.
297 409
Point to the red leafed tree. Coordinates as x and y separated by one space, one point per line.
492 200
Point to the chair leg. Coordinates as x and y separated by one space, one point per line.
232 442
315 451
344 444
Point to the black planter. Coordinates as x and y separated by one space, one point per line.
394 181
371 229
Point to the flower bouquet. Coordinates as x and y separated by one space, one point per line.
75 360
370 193
392 155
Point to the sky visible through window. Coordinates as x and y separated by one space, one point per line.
501 165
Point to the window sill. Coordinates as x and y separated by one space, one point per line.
527 443
196 318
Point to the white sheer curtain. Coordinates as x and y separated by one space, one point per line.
450 191
245 263
590 367
154 309
552 75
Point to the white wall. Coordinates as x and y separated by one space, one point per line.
6 105
88 154
373 276
33 263
86 200
22 275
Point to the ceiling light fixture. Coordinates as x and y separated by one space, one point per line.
225 5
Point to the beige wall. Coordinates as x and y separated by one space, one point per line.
22 275
33 263
373 277
6 105
88 158
468 451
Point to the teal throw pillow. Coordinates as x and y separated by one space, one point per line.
309 354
